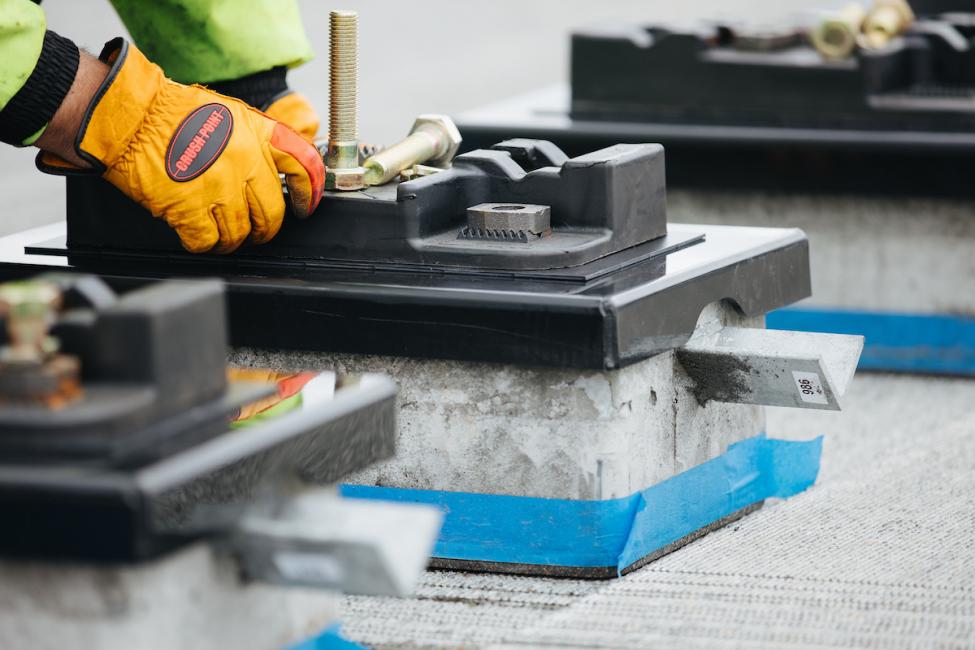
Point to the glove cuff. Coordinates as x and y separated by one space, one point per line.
116 112
120 106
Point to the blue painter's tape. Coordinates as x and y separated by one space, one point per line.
611 532
330 639
899 342
750 471
527 530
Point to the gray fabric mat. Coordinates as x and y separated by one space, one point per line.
879 554
455 609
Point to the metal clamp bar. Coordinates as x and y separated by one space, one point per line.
771 367
320 540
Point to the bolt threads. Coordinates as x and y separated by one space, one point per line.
343 76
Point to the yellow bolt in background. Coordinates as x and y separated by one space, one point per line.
836 36
886 20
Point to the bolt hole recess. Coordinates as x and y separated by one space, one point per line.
508 207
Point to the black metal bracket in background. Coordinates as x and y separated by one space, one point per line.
748 159
897 121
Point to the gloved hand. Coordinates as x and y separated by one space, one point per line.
207 164
296 111
289 386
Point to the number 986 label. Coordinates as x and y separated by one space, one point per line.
810 387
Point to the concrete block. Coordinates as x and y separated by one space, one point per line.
540 432
605 436
907 254
191 599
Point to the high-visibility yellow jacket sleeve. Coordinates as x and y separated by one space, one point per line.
204 41
22 27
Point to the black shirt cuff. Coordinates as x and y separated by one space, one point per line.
41 95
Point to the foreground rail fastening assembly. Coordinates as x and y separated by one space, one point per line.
125 487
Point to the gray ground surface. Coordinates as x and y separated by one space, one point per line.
878 554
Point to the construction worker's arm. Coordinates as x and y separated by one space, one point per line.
240 48
207 164
23 37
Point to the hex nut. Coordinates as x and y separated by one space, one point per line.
836 36
345 178
443 127
517 217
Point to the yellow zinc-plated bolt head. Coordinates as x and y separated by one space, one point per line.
886 20
443 127
836 36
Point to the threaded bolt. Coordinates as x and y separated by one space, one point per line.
434 139
342 156
343 74
416 148
27 307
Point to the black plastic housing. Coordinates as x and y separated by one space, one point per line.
99 512
923 81
601 202
146 458
385 272
897 121
154 378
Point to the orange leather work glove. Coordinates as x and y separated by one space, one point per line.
296 111
207 164
289 384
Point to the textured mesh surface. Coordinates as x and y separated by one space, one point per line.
453 609
879 554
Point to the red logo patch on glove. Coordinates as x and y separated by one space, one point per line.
198 142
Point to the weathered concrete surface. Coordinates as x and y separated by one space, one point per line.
900 254
191 599
502 429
